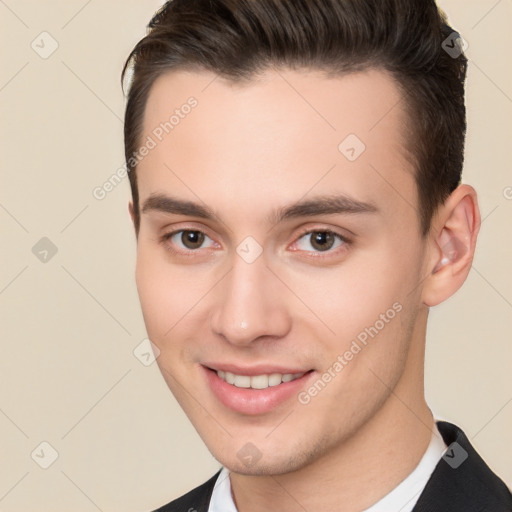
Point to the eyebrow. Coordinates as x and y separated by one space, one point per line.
318 205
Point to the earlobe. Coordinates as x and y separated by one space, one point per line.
452 245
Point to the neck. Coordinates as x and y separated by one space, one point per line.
362 469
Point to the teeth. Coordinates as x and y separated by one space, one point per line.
274 379
242 381
257 381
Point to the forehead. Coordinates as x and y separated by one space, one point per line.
280 136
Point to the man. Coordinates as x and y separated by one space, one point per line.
295 171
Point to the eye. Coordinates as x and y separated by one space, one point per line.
320 241
185 239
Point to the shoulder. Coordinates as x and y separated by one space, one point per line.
462 480
196 500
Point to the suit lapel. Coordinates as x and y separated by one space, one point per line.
461 481
197 500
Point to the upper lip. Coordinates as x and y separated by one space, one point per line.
258 369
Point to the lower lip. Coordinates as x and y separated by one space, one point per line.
254 401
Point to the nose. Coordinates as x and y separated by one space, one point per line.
250 304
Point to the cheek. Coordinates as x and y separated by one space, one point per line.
161 297
161 291
172 301
365 303
353 295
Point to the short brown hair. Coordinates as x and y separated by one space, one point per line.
236 39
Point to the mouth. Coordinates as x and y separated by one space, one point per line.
262 381
255 391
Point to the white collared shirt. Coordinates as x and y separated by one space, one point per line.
401 499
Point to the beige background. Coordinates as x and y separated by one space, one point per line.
70 325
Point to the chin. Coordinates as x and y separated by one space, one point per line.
267 468
271 460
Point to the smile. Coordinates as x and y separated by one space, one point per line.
258 381
258 393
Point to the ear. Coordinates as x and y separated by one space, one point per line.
130 209
132 215
451 245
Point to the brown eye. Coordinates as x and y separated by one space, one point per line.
322 240
192 239
186 241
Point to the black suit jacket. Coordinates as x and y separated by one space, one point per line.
461 482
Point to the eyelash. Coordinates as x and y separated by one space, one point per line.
346 242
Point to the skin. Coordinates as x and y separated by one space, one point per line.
244 151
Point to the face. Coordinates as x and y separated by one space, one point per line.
279 256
